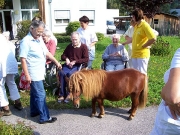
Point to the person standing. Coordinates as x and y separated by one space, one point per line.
167 121
8 69
33 53
128 36
88 37
143 38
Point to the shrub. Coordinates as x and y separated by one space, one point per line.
15 129
63 39
23 28
60 34
161 47
72 26
100 36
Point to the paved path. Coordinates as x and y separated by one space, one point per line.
78 122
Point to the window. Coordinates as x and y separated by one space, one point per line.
62 16
29 8
89 13
155 21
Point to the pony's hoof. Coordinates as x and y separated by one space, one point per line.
130 118
93 115
100 115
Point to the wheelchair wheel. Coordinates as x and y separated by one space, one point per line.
51 76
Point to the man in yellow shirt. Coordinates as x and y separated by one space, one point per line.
143 38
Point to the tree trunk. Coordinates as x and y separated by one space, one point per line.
41 5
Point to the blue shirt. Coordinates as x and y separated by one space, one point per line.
112 60
34 51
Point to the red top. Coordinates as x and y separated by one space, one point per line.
51 46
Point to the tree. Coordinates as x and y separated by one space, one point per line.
2 3
42 9
149 7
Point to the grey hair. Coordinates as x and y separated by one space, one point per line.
35 24
75 33
48 33
116 36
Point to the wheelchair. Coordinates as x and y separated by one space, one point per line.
103 65
58 84
51 75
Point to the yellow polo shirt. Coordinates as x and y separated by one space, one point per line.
142 33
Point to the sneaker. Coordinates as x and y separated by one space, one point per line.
18 106
60 99
67 100
4 112
51 120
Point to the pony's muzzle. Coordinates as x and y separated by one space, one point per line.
77 105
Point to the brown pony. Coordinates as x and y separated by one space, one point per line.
113 85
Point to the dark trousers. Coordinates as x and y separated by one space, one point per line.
66 71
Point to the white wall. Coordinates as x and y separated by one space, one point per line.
74 6
111 13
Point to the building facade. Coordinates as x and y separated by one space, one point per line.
58 13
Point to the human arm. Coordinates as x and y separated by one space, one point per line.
149 43
150 35
25 69
171 91
128 40
51 57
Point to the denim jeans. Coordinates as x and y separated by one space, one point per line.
66 71
38 101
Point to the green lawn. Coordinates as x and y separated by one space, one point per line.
157 66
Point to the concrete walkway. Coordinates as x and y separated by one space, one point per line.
78 122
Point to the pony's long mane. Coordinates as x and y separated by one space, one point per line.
89 82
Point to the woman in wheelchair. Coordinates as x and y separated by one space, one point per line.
74 56
51 46
115 55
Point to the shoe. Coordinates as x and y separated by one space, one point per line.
4 112
34 115
18 106
67 100
51 120
22 90
60 99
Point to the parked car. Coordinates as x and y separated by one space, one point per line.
111 28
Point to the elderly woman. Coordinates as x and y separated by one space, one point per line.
49 42
8 69
115 55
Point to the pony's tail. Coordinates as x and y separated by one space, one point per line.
144 94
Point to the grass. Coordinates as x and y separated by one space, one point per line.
156 69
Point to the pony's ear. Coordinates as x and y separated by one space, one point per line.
67 79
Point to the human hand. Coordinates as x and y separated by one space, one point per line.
71 63
59 66
28 78
67 61
174 109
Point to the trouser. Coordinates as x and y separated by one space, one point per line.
66 71
114 67
90 64
14 94
38 101
140 64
